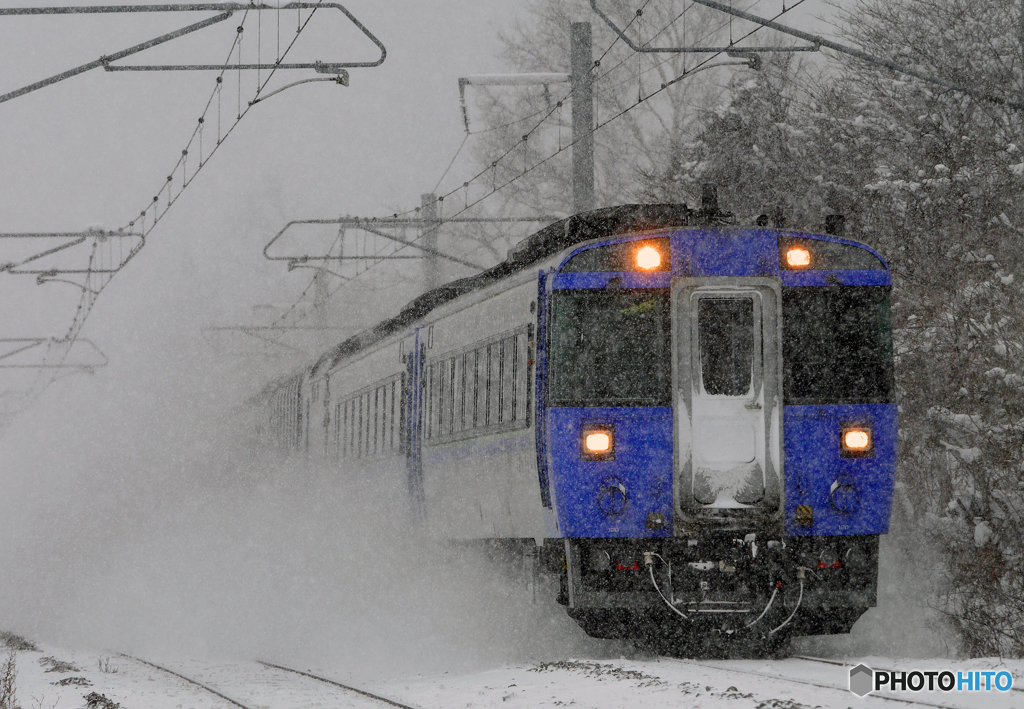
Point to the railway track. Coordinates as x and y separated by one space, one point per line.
841 663
378 697
234 701
840 688
797 670
188 679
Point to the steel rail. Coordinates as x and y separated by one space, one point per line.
175 7
364 226
10 267
319 67
783 678
197 683
841 663
77 238
371 695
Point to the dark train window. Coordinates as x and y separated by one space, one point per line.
393 419
610 348
837 345
726 336
619 257
337 428
369 423
453 420
378 417
480 388
460 393
493 383
486 389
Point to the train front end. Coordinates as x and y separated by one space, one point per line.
717 432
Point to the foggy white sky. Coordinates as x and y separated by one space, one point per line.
97 147
94 150
104 477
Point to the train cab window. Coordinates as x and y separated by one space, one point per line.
837 345
726 336
610 348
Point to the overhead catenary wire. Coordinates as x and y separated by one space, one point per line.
147 225
99 273
490 170
451 162
599 125
547 114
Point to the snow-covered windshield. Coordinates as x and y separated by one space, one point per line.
610 348
837 345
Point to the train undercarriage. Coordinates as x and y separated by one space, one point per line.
746 589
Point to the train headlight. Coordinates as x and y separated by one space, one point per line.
798 257
856 441
597 442
648 258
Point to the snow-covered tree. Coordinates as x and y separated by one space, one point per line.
932 178
639 140
929 176
751 146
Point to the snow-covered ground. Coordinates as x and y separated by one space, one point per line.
44 682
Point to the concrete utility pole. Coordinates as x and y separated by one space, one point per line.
581 61
581 80
431 263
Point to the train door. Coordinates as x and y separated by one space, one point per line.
414 356
727 404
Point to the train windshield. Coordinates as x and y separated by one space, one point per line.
837 345
610 348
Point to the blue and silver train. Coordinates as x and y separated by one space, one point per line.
690 423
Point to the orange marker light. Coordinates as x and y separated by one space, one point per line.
598 442
797 257
648 258
856 439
